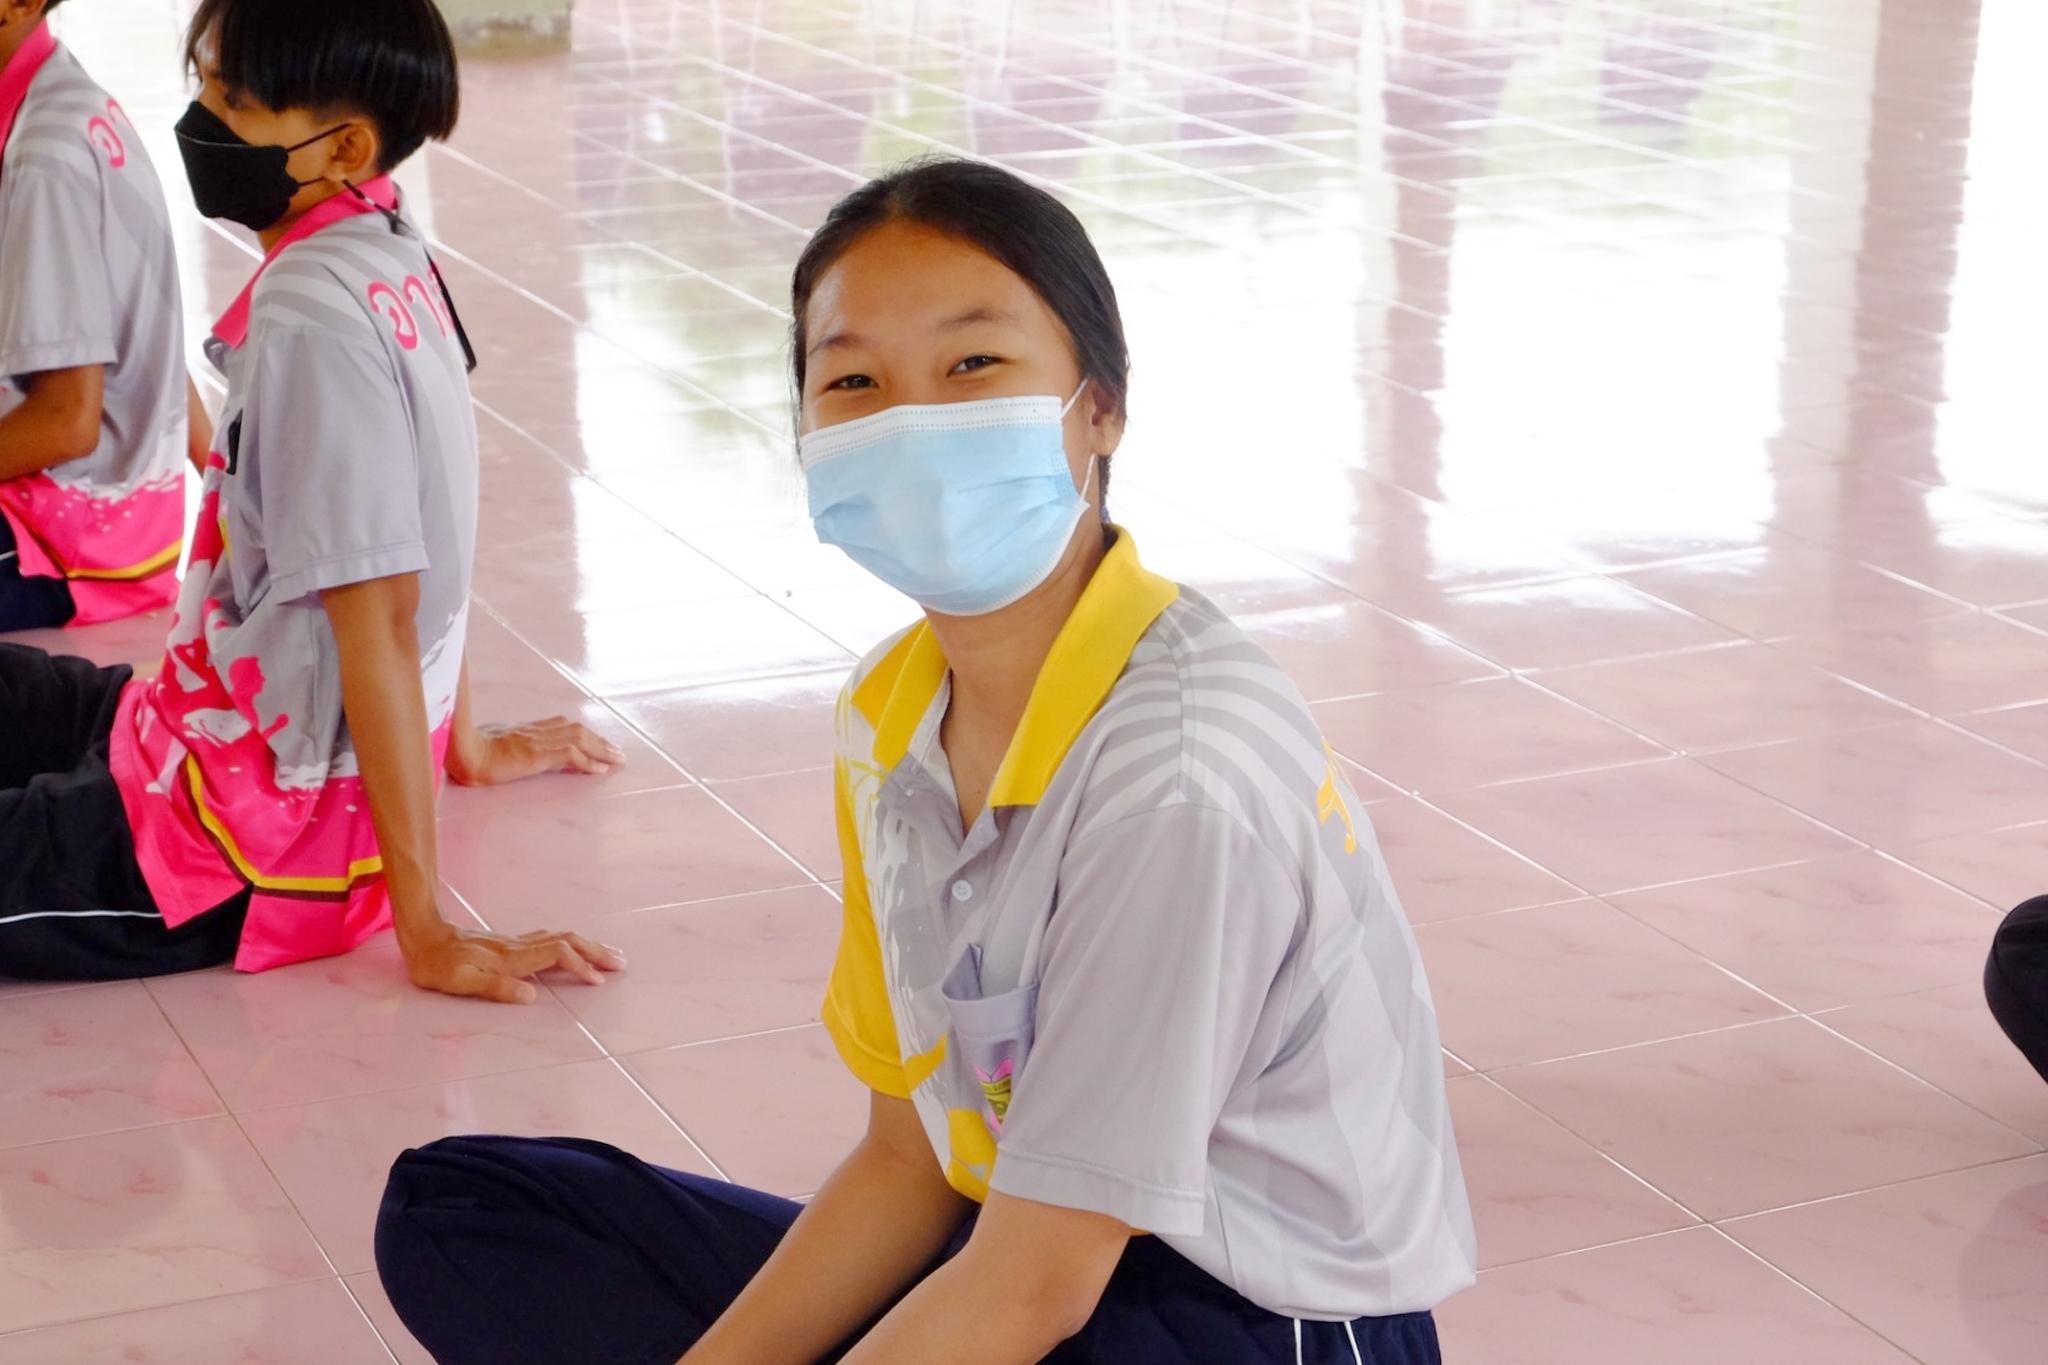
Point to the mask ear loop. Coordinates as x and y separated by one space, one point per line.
1094 461
318 137
399 226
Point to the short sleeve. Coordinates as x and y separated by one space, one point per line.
1170 932
856 1011
331 461
56 304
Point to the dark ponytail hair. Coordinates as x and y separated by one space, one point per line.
991 209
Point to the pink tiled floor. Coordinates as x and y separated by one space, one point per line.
1621 415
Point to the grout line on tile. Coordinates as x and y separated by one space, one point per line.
674 1121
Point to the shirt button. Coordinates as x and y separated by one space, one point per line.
963 890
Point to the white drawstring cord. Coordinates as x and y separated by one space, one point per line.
1349 1335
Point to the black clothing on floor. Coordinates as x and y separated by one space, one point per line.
73 904
2016 980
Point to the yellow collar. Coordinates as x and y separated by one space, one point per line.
1119 604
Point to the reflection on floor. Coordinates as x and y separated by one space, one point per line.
1622 416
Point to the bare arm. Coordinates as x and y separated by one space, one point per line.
198 427
1028 1279
58 420
874 1227
386 707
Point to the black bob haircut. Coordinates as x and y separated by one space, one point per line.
390 60
997 212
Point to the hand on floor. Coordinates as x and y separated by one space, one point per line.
506 753
476 962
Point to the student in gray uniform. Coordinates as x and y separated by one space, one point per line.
268 795
97 416
1120 955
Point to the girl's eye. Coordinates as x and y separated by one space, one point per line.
974 362
851 381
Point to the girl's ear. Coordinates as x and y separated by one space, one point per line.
1105 425
353 153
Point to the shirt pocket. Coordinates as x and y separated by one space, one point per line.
991 1033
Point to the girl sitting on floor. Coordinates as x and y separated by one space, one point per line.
1120 955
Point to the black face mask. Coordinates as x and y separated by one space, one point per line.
238 180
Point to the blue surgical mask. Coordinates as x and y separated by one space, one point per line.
962 507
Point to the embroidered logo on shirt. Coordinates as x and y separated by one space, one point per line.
997 1087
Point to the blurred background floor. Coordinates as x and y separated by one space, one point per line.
1623 418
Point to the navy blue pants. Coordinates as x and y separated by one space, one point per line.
29 603
2016 980
558 1251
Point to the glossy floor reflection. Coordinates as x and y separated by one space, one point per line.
1623 418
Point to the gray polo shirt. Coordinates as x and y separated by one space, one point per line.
89 275
348 444
346 451
1164 977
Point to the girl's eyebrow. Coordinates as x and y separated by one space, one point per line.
978 315
833 341
972 317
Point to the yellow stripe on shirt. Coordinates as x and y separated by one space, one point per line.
155 564
362 869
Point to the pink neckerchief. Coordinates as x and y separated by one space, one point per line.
19 73
370 197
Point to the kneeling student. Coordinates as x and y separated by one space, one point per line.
94 399
269 795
